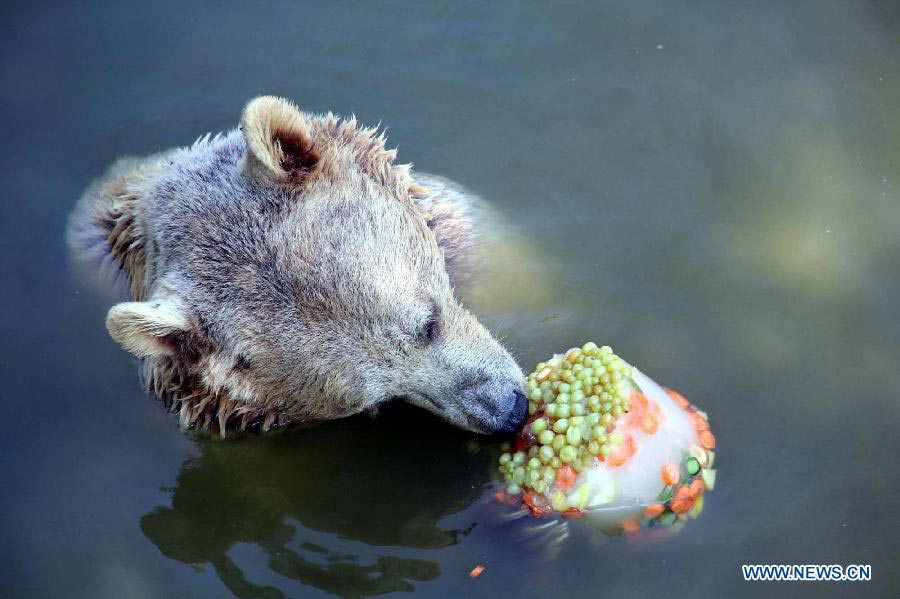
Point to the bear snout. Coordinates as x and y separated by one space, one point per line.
517 412
495 407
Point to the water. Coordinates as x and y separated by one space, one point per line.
712 188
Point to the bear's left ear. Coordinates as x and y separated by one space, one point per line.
278 142
152 328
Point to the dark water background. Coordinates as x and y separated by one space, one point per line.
713 188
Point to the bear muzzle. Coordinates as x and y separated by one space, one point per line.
494 407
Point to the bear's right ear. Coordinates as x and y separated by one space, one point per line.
278 142
152 328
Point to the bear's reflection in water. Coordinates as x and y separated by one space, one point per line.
347 507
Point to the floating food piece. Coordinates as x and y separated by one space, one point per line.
654 509
603 439
670 474
476 571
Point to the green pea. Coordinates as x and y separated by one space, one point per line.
539 487
546 437
513 489
567 454
539 426
564 388
518 458
605 449
518 476
617 411
556 462
576 409
606 419
504 458
562 410
589 347
550 410
616 437
558 442
573 435
536 394
560 425
594 447
546 453
593 419
562 398
693 466
534 463
576 421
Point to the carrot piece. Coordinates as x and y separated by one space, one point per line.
654 509
638 400
696 488
565 477
622 452
670 473
649 424
631 525
500 496
679 398
573 513
683 492
680 506
476 571
708 440
700 423
532 502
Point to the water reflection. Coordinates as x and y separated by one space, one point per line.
350 507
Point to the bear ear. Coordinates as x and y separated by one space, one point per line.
152 328
278 142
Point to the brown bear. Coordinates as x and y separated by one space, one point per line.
291 271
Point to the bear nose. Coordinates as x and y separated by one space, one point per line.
516 414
